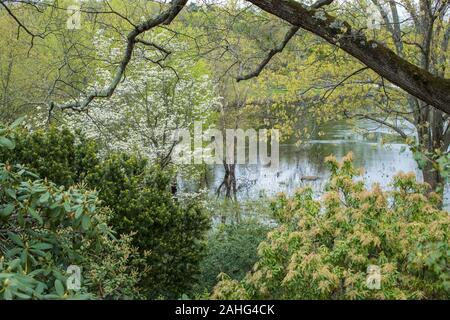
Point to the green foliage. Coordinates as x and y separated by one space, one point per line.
169 236
143 204
437 159
232 249
323 249
57 154
113 271
45 228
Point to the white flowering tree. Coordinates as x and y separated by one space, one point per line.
160 94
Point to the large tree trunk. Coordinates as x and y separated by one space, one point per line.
433 178
419 82
229 184
432 140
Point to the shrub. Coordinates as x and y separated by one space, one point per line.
324 249
138 196
45 228
59 155
231 249
143 204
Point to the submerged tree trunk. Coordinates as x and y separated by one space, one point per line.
228 182
229 185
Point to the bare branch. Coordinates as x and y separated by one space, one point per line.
165 17
21 25
292 31
154 45
289 35
417 81
320 3
380 121
328 93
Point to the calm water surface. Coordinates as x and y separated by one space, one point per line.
380 162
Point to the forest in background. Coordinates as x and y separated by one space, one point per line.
88 176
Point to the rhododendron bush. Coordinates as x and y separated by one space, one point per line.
45 229
167 233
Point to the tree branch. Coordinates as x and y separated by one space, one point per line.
383 122
165 17
289 35
418 82
329 92
21 25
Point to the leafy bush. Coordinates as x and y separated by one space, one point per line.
143 204
57 154
45 228
138 196
323 249
232 249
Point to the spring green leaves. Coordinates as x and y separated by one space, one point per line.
322 247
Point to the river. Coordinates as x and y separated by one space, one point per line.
381 161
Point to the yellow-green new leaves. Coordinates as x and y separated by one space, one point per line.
327 248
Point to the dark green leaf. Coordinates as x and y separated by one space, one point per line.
35 215
7 210
16 239
7 143
59 288
86 223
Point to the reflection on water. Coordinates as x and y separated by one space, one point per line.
380 162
